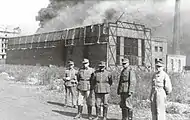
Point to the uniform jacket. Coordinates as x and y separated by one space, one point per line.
161 86
83 78
101 81
127 81
72 74
161 80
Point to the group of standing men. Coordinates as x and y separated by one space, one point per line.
87 81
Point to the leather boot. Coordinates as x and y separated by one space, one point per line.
124 114
105 111
130 114
90 112
98 111
79 114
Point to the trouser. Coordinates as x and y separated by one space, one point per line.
158 101
70 90
101 98
126 106
85 96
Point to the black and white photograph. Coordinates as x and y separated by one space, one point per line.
94 60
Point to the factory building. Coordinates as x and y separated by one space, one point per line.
108 41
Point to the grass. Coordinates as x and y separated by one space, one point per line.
51 76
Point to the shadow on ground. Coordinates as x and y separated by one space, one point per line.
72 114
56 103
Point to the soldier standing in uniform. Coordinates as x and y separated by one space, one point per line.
84 92
70 84
101 83
161 86
126 89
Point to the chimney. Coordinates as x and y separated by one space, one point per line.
176 29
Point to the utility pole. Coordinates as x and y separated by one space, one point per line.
176 29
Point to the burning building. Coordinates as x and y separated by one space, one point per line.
108 41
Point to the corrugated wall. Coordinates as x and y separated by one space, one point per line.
42 56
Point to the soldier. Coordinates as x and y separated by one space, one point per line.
161 86
84 94
100 83
70 84
126 89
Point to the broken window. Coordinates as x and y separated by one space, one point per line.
91 34
70 37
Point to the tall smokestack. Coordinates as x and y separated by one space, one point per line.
176 28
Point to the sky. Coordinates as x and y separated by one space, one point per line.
21 13
14 13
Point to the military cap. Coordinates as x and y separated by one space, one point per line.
71 62
125 60
160 63
85 61
102 63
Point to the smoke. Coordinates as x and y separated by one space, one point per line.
62 14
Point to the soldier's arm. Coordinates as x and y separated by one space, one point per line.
65 75
167 84
150 96
132 83
78 75
110 78
92 81
119 84
75 78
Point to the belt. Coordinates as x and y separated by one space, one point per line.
158 86
101 81
84 79
124 81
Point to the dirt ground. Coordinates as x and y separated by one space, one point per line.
19 101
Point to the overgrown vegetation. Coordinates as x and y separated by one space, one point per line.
43 75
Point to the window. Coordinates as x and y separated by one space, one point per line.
3 56
160 59
161 49
156 48
172 64
2 50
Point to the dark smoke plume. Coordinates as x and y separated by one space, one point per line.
155 14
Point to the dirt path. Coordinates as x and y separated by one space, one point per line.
24 102
19 101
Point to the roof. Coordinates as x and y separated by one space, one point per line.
159 39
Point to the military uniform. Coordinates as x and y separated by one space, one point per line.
126 88
84 92
101 83
70 85
161 86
